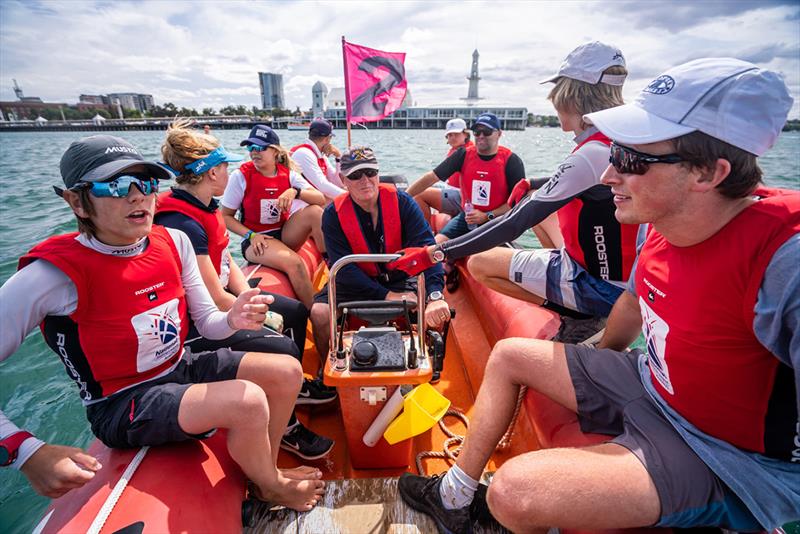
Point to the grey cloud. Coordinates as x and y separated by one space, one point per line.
683 14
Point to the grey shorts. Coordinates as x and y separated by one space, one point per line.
147 414
612 401
451 200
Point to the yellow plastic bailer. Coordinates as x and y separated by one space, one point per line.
423 406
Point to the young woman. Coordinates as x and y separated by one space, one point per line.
201 165
264 190
114 300
448 199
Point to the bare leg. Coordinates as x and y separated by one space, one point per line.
307 221
255 415
549 233
491 269
321 328
599 487
513 362
430 198
281 257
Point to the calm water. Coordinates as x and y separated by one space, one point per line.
34 389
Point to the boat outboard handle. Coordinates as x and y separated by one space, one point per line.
367 258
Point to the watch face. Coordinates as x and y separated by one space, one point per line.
438 255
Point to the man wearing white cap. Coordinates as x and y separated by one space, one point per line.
705 421
587 255
448 198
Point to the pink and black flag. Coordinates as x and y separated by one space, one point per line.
374 80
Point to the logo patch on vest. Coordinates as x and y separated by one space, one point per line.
158 331
655 333
270 213
481 191
152 296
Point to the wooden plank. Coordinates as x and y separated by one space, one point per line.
365 505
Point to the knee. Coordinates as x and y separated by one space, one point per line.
289 373
514 353
476 265
513 499
320 316
252 407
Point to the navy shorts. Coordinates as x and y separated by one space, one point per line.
455 227
147 414
272 233
613 401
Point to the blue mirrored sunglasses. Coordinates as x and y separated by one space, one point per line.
121 186
256 148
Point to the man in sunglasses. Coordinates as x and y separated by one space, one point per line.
489 173
703 423
113 301
373 218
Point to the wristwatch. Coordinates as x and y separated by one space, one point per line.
435 295
9 446
489 215
297 189
438 255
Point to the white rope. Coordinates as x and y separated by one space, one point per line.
116 493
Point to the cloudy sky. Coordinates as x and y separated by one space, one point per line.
205 53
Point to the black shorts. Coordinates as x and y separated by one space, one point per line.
613 401
277 234
147 414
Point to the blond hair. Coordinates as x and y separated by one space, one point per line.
183 146
285 158
575 96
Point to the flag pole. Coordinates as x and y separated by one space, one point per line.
346 93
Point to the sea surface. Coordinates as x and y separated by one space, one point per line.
34 389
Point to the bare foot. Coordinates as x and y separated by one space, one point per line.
299 495
304 472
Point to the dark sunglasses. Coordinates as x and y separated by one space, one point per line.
628 161
359 174
485 132
120 186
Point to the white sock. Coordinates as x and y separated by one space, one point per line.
457 489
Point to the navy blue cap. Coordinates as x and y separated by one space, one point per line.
320 128
261 135
100 157
487 119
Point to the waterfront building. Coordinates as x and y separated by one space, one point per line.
472 93
271 90
93 99
319 99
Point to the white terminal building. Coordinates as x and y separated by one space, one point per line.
331 105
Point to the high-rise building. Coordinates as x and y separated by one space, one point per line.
271 90
319 99
137 101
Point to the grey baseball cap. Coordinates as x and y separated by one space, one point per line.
99 157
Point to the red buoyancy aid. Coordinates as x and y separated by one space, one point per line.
260 212
131 314
455 179
214 226
483 183
390 217
602 240
321 161
697 306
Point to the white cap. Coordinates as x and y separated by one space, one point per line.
587 63
729 99
455 126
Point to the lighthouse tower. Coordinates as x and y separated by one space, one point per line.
472 94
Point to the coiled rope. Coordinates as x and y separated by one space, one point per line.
455 440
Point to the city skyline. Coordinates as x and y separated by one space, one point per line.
58 51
